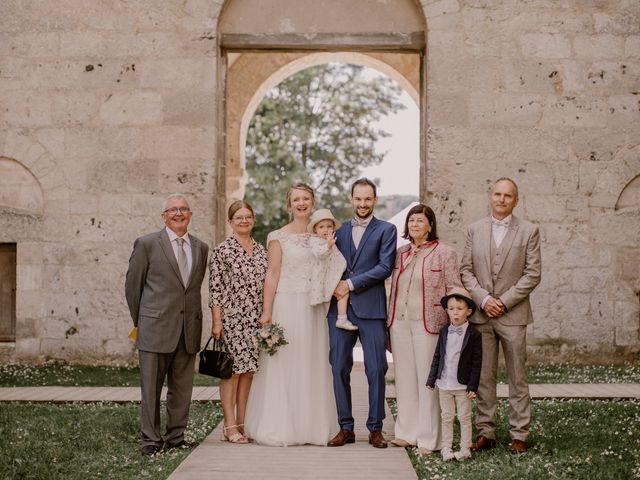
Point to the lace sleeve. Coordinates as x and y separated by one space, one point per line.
275 235
319 247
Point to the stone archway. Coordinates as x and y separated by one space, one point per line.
259 51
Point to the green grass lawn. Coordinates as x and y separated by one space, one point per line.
63 374
570 439
86 441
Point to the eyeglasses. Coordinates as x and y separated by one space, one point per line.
175 210
246 218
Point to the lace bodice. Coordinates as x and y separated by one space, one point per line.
297 261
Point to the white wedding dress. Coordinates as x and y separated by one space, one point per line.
291 401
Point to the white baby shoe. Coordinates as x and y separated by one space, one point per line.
447 454
462 454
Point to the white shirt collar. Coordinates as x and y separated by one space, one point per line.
506 220
173 236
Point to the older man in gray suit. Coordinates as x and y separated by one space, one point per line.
501 267
162 288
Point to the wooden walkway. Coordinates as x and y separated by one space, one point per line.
208 394
214 459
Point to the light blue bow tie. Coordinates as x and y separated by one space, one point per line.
500 223
457 330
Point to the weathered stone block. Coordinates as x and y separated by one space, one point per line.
627 323
505 110
598 46
543 208
448 110
104 143
574 111
25 109
138 108
632 46
52 139
441 7
545 45
190 108
622 23
180 73
75 108
179 142
40 45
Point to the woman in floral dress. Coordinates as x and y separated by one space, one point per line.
237 269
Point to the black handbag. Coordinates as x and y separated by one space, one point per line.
217 362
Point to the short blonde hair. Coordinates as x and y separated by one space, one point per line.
300 186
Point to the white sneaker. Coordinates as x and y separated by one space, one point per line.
447 454
346 325
462 454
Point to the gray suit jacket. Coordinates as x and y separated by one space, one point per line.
517 276
160 305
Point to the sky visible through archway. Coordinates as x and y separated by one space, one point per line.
399 173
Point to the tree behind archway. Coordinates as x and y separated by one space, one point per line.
317 126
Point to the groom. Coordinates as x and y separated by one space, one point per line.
369 246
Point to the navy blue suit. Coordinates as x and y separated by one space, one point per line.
367 267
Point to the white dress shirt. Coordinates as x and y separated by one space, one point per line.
449 378
186 246
499 229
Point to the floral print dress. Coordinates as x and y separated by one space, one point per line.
236 284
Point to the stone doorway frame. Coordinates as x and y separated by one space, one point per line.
362 44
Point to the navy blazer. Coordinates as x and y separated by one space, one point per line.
368 267
470 362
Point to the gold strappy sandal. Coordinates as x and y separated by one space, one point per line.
234 437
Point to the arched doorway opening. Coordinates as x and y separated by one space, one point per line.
259 51
327 124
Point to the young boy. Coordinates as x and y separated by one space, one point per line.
455 370
329 265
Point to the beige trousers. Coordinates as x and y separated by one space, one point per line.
418 419
513 339
449 400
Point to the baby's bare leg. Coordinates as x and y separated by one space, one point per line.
343 303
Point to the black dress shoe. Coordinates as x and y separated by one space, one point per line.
180 444
150 450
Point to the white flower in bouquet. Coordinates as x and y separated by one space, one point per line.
270 338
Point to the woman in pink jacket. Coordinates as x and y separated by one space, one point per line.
425 270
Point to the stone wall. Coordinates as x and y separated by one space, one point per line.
546 92
113 105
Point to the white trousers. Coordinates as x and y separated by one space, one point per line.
449 400
418 419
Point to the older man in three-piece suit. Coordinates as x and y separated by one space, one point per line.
501 266
162 287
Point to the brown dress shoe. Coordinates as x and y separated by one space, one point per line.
483 443
343 436
377 440
518 446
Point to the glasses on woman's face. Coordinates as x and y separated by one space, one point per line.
176 210
242 218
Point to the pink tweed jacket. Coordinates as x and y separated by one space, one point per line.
440 272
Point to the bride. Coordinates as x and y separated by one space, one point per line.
291 401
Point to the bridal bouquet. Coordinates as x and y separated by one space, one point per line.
270 338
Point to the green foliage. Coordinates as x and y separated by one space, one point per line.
315 127
92 440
